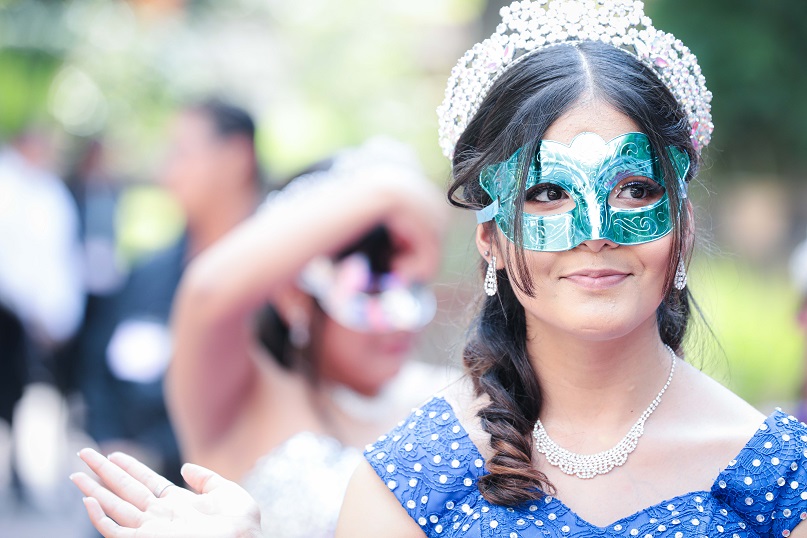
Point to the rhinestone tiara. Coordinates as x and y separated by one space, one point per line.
530 26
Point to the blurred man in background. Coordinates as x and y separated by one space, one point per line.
41 304
40 271
212 171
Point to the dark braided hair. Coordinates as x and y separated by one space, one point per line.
517 111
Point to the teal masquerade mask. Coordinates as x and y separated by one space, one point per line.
591 189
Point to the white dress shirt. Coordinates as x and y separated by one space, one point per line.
41 278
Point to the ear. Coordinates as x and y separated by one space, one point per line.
293 305
487 242
239 153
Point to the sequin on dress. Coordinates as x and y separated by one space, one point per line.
431 466
300 486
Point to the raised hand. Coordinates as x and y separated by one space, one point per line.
416 217
136 502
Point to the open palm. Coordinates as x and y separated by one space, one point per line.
136 502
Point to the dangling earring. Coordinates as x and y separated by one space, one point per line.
491 285
680 281
299 335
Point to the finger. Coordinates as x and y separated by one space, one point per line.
418 264
118 509
157 484
117 480
102 523
418 251
201 479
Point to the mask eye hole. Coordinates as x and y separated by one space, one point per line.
635 192
547 199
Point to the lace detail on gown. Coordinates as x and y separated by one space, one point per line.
767 481
300 485
431 466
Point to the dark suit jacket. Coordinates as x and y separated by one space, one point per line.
122 409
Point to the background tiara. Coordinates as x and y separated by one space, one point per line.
528 27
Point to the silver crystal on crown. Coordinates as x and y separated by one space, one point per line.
529 26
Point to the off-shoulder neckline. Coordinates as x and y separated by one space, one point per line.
764 427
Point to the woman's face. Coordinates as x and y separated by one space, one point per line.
598 290
365 362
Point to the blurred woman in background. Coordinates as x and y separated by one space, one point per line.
341 255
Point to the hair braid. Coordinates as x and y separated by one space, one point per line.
497 360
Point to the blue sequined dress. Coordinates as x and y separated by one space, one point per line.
431 466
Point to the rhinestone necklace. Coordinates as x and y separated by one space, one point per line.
591 465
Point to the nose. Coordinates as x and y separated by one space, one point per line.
596 245
594 215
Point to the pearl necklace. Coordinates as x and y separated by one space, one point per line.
591 465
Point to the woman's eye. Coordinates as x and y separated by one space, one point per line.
548 193
638 190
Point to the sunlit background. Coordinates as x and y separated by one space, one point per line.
321 74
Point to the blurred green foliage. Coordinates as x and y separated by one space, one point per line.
318 75
754 56
26 75
750 340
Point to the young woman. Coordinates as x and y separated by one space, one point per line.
574 132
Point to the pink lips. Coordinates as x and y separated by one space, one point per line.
597 279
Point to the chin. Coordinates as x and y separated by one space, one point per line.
371 387
602 322
376 373
602 334
626 328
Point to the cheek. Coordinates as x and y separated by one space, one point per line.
360 359
542 268
181 176
342 348
191 165
654 258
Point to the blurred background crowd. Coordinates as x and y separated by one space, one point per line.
135 133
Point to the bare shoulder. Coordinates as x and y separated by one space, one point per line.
704 411
714 400
370 509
